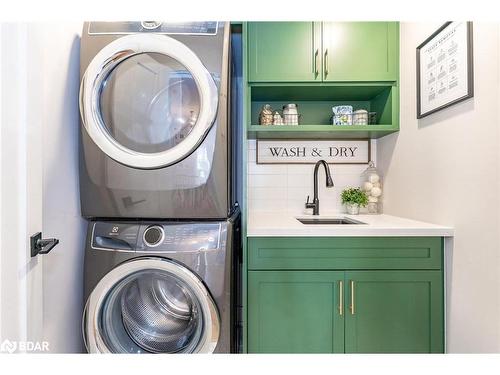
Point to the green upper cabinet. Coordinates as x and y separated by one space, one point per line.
323 51
284 51
360 51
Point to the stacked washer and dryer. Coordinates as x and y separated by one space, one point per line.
157 184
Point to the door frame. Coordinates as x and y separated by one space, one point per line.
21 297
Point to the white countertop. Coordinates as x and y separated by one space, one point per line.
284 224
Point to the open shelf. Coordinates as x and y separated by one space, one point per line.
319 131
315 104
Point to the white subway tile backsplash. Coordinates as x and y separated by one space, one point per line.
263 180
299 180
252 156
297 207
254 168
301 169
298 193
267 205
266 193
285 187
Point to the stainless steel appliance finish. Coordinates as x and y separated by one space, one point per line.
155 137
175 297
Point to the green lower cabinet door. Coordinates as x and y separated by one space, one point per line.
295 312
394 312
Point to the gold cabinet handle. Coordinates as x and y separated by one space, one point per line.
326 62
351 307
341 298
316 67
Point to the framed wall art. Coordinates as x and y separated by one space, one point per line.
293 151
445 73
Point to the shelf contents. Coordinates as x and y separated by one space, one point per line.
345 116
360 117
290 114
277 119
342 115
371 183
314 106
266 115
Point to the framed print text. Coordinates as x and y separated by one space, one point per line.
445 73
345 151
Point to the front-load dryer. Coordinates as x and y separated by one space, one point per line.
161 287
155 136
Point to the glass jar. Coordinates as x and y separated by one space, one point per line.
371 184
290 114
266 115
360 117
277 119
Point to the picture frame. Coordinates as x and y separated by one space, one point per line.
445 71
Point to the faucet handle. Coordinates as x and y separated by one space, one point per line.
308 204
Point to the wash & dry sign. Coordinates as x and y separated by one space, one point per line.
347 151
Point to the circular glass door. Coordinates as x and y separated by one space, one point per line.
150 305
147 101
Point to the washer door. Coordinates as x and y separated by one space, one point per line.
147 101
150 305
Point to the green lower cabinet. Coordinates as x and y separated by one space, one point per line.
394 312
295 312
381 312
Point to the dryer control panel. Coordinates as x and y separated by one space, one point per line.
161 237
160 27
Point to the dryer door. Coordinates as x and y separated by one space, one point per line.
150 305
147 101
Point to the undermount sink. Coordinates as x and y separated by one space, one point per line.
329 221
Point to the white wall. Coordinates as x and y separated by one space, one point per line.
285 187
20 190
63 267
445 169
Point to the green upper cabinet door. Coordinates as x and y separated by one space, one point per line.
295 312
394 312
360 51
284 51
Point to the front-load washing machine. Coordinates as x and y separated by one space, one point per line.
162 287
155 137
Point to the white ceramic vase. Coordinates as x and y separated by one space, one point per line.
352 208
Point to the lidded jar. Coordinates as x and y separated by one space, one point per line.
371 184
266 115
290 114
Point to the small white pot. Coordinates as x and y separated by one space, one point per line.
352 208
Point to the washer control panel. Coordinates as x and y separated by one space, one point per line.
180 236
151 237
114 236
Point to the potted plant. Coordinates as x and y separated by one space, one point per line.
354 198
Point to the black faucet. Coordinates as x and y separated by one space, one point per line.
329 183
